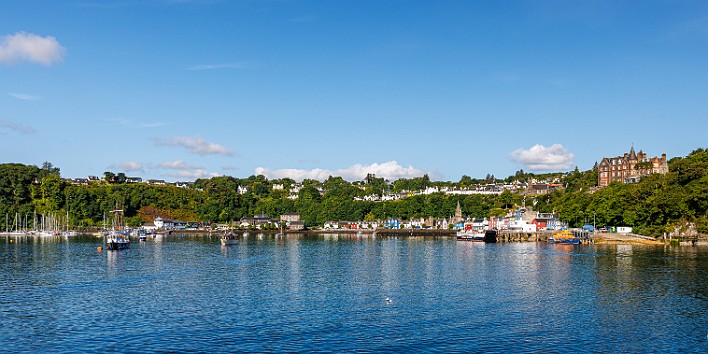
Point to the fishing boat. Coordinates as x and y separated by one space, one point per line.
229 239
117 238
564 237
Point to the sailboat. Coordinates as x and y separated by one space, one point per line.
281 233
68 233
17 230
117 238
229 238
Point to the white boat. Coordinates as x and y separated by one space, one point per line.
141 233
70 233
281 233
229 239
117 238
472 231
470 235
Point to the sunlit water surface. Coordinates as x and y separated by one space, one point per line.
329 293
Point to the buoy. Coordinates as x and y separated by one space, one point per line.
99 248
11 241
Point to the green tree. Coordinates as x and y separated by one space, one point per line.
109 176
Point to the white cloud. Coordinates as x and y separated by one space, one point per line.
177 165
389 170
16 127
128 166
195 145
182 170
151 125
24 96
542 158
30 47
193 174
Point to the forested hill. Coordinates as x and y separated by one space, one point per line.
657 204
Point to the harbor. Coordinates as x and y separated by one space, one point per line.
328 291
502 236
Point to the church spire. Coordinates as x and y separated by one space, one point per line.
458 213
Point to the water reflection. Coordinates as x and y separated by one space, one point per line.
327 293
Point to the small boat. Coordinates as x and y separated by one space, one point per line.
117 238
142 235
69 234
117 241
281 233
229 239
564 237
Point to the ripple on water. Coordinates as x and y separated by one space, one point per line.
317 294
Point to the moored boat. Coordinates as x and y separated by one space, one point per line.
564 237
487 236
470 235
117 238
229 239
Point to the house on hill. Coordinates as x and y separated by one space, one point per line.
257 221
629 168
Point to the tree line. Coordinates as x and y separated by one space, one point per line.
657 204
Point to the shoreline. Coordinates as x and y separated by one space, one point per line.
504 236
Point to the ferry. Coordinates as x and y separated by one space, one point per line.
564 237
486 236
470 235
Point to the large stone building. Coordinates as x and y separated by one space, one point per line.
629 168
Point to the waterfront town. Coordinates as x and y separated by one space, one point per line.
351 176
517 214
627 168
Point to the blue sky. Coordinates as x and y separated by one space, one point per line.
178 90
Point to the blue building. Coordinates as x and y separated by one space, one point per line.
393 224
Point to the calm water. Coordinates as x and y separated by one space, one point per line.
328 293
